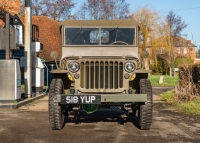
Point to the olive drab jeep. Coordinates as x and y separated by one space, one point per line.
99 67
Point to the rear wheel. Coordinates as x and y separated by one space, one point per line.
145 110
56 112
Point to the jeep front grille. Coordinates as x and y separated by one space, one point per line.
101 75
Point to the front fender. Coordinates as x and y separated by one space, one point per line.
58 71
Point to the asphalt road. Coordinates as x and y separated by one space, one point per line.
29 124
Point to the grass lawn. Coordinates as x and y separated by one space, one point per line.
167 81
189 107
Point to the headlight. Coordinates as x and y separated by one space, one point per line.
129 67
73 66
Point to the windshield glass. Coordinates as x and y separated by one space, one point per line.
96 36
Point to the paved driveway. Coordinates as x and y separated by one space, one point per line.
29 124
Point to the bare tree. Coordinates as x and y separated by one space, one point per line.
55 9
122 9
37 8
22 7
103 9
83 13
175 26
148 21
157 34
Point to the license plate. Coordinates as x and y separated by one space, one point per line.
81 99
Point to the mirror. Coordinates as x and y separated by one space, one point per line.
145 54
54 54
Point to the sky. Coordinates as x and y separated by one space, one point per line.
189 10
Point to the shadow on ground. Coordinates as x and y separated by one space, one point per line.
102 115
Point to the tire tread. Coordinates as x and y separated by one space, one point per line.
56 117
145 110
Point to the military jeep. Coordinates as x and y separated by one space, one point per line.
99 67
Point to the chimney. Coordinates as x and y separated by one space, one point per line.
189 42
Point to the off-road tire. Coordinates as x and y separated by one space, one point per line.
145 110
56 113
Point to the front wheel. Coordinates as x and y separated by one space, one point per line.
145 110
56 112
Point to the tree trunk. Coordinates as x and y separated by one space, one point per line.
170 71
156 63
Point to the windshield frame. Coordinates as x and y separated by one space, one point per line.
135 38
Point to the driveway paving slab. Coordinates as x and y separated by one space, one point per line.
30 124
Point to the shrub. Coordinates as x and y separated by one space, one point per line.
161 67
191 72
179 61
188 87
167 96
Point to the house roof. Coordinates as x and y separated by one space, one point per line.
178 42
12 6
182 42
49 35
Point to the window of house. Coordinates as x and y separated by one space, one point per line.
184 50
160 51
179 50
148 50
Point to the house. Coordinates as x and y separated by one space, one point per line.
182 48
12 6
197 55
49 35
49 30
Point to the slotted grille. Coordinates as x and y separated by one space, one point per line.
101 75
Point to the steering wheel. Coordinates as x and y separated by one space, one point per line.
119 42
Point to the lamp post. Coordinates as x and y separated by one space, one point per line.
7 36
27 49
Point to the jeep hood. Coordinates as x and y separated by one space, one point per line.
99 51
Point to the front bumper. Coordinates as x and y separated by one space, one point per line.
109 98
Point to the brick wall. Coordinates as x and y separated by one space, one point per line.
197 61
185 52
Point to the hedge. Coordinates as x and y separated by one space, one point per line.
191 69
